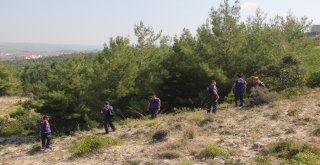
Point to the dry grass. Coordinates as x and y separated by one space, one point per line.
8 103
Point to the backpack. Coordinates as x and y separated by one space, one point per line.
210 91
261 84
111 111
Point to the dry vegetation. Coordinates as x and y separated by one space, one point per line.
231 136
7 104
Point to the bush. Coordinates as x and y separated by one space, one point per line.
314 80
20 122
229 98
169 154
263 160
286 74
28 118
211 151
289 149
294 91
91 144
303 158
12 128
160 135
260 96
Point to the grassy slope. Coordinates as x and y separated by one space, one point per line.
241 133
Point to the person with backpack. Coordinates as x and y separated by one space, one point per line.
238 88
107 114
257 82
45 132
154 106
212 96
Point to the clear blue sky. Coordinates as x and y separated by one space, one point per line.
93 22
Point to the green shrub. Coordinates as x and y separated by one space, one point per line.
91 144
294 91
303 158
185 162
18 113
260 96
21 121
160 135
314 80
263 160
229 98
285 74
12 128
182 110
171 154
211 151
289 149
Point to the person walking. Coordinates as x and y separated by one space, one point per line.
107 115
45 131
213 97
257 82
154 106
238 88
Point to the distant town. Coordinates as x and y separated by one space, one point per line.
26 51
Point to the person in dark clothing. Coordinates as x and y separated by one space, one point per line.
238 88
154 106
107 114
213 97
45 131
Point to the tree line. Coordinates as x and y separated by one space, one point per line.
72 89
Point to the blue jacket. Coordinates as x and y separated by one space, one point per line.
105 111
240 85
154 103
43 128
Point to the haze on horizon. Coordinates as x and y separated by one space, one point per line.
86 22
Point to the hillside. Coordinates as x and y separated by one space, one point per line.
241 133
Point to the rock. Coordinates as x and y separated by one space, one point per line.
166 161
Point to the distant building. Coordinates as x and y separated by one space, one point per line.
315 29
28 57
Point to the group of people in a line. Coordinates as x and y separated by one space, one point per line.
238 88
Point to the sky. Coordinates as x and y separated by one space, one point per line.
93 22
